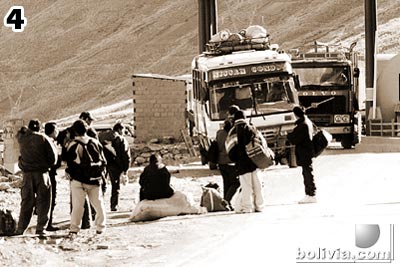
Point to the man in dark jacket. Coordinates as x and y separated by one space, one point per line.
239 136
226 166
301 137
154 180
50 129
117 153
37 155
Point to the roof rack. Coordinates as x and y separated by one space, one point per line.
227 47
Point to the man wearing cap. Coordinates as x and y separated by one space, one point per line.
37 155
86 117
301 137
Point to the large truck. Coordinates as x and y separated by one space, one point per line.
328 89
253 75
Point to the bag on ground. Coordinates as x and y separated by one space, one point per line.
8 222
320 141
212 200
259 152
177 204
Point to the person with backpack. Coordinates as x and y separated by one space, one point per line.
251 198
85 166
301 137
118 156
37 155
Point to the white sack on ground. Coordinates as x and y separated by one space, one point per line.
178 204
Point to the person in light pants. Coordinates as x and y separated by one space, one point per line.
79 191
251 197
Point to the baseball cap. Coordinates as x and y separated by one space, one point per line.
86 115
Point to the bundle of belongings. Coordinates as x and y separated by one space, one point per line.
177 204
253 34
212 200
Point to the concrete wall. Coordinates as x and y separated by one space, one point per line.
159 106
387 94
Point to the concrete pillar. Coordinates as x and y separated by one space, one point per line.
11 147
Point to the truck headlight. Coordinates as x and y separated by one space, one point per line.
340 118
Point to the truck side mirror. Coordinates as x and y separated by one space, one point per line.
296 81
356 72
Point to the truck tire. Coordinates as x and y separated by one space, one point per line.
347 141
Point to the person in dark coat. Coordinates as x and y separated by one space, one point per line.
50 129
252 198
37 155
155 180
301 137
226 166
118 155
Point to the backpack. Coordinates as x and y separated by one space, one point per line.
213 152
8 222
212 200
107 139
92 164
259 152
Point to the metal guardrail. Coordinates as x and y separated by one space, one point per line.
379 128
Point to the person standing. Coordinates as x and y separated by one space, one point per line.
301 137
155 179
226 166
37 155
83 185
118 156
50 129
252 198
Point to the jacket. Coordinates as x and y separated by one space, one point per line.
301 137
116 151
74 154
37 152
244 134
223 157
154 182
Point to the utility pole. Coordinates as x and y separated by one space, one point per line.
370 60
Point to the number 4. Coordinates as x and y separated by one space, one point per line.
15 19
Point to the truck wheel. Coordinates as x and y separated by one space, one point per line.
347 141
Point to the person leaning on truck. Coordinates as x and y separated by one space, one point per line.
301 137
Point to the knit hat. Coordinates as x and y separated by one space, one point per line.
298 111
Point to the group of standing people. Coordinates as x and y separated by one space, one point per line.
88 163
239 172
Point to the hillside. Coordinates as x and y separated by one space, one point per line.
79 55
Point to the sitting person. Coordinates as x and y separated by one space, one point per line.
154 181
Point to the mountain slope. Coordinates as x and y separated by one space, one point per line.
78 55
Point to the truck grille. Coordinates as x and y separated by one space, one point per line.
336 106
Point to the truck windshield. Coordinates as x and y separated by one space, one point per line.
271 95
329 76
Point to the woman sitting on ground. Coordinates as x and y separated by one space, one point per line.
155 179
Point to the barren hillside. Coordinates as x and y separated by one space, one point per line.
75 55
